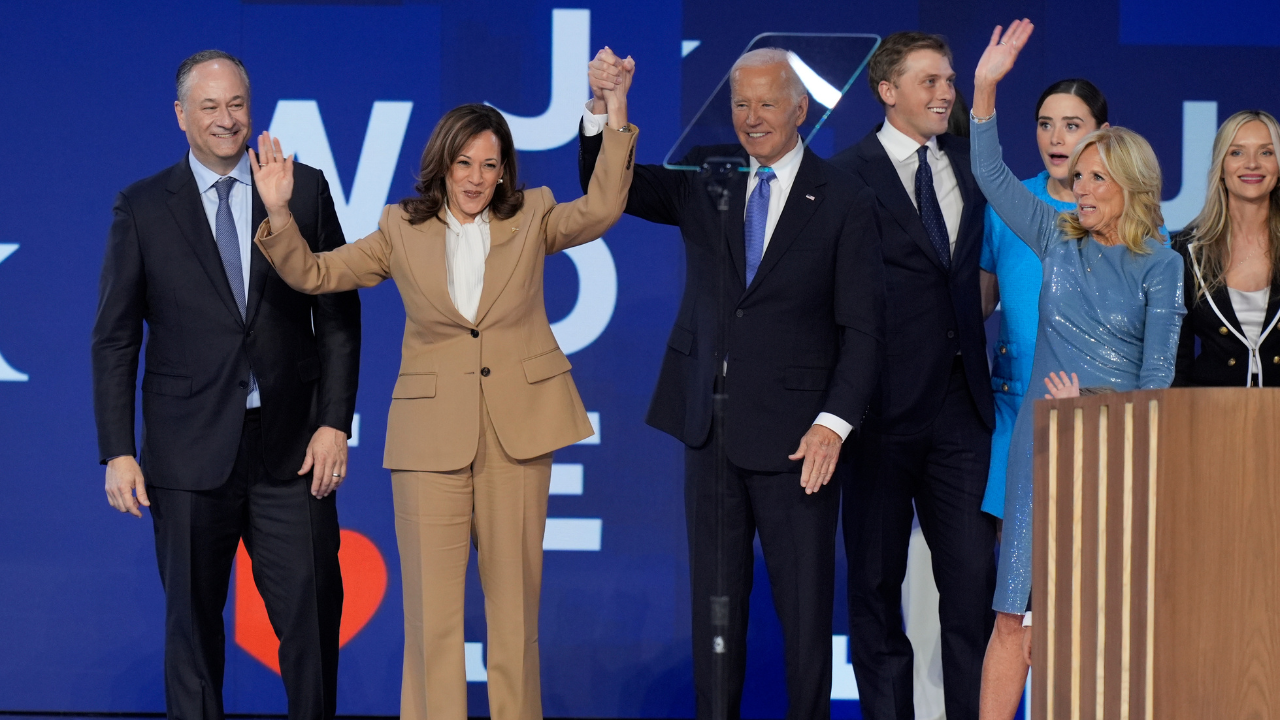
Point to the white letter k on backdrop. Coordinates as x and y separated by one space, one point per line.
7 373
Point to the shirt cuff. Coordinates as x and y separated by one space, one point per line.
1026 619
835 424
593 124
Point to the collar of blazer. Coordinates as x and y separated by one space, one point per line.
188 212
431 270
803 201
879 172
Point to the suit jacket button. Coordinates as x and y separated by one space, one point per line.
1223 330
1275 360
249 334
1003 349
475 333
484 372
1231 362
1004 387
739 313
243 384
951 334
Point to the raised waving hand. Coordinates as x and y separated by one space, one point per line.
273 178
996 62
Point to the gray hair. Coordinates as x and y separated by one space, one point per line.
184 70
763 57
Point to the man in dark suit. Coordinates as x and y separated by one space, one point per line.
246 408
792 341
927 439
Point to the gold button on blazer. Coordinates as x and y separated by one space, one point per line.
434 422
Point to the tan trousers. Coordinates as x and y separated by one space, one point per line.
507 500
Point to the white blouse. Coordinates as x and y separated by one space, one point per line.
466 247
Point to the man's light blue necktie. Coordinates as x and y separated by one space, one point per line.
756 221
229 248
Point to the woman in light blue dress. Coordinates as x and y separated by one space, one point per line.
1066 112
1110 314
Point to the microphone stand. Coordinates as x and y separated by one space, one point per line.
716 172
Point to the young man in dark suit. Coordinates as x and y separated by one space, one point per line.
247 399
793 342
927 440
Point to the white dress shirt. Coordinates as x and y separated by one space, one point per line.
241 201
466 247
902 151
785 171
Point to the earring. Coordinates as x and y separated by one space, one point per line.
499 180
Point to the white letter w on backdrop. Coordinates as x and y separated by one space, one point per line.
298 125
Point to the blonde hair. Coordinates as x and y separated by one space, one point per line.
1210 240
1131 163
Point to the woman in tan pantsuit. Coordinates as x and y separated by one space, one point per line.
484 394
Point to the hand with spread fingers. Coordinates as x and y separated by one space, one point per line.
273 178
996 62
1060 387
820 450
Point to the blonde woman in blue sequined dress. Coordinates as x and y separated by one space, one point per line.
1110 313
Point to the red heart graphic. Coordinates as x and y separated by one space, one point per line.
364 583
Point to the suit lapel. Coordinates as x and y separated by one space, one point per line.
880 173
802 202
969 193
429 264
188 212
259 268
504 255
735 224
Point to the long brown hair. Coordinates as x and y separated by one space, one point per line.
1132 163
452 133
1210 241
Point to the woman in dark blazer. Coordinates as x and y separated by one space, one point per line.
1231 259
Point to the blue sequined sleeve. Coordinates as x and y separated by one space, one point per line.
1030 218
1163 287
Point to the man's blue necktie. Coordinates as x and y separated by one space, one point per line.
229 248
757 220
930 210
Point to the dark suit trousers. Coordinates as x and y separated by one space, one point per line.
943 469
293 540
797 535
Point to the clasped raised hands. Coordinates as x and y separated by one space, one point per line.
610 79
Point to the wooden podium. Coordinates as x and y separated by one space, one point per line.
1156 572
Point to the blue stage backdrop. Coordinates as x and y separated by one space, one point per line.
355 88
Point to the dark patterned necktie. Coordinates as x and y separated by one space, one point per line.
930 210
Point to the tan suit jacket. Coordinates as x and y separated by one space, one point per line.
508 353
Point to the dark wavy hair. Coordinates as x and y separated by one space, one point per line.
457 128
1088 93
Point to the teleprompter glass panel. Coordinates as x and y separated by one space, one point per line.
827 64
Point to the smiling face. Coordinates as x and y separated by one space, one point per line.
1061 123
215 115
919 103
1099 198
766 115
473 176
1250 170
